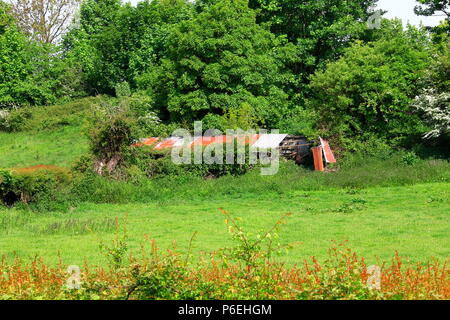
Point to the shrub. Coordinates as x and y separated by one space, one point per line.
151 163
122 89
410 158
14 120
299 122
435 111
34 184
112 132
222 168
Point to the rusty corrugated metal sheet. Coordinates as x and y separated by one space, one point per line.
329 156
169 143
146 142
263 141
206 141
292 147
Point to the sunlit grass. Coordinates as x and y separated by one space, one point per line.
377 222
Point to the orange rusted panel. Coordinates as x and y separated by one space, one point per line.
146 142
167 143
318 159
329 156
206 141
251 140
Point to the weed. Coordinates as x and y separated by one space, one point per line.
355 204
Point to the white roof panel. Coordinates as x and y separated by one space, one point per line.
269 141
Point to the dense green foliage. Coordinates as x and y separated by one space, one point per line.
71 157
116 43
371 88
19 61
319 29
304 67
219 60
32 73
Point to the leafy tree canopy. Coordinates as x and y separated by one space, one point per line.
371 88
432 7
118 42
435 7
219 60
321 29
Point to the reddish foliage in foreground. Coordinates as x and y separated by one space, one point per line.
171 276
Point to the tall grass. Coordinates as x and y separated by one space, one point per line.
290 179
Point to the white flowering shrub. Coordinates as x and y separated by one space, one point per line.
4 119
435 108
150 123
150 119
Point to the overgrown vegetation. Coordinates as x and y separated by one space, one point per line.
75 102
214 60
246 271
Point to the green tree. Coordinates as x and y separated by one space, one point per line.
31 72
371 88
44 20
80 42
20 66
320 29
433 8
219 60
116 42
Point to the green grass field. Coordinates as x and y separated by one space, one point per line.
46 147
380 207
53 135
376 222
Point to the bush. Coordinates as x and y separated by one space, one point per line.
112 133
216 170
151 163
159 163
14 120
410 158
34 184
299 122
122 89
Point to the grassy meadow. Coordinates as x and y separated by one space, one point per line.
91 210
377 222
378 206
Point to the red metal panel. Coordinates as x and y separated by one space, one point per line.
329 156
166 144
318 159
251 140
206 141
146 142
